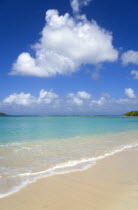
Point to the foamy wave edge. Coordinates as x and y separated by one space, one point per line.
64 168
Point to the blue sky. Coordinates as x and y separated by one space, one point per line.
85 62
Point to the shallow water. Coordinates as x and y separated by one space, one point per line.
35 147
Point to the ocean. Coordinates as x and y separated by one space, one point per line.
32 147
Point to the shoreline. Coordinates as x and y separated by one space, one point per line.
89 163
108 173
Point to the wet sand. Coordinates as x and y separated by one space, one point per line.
112 184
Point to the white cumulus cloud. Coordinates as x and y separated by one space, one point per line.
101 101
78 4
81 102
27 99
130 57
83 95
75 6
47 96
79 97
19 99
65 44
129 92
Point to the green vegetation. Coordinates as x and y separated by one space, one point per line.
133 113
3 114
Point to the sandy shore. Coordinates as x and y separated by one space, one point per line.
112 184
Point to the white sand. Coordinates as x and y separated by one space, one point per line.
112 184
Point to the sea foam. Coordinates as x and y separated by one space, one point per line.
67 167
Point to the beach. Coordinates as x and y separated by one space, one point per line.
69 105
112 183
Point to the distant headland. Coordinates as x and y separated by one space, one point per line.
132 113
3 114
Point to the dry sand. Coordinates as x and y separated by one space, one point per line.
112 184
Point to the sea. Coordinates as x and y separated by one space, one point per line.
34 147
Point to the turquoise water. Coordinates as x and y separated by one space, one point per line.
19 129
35 147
